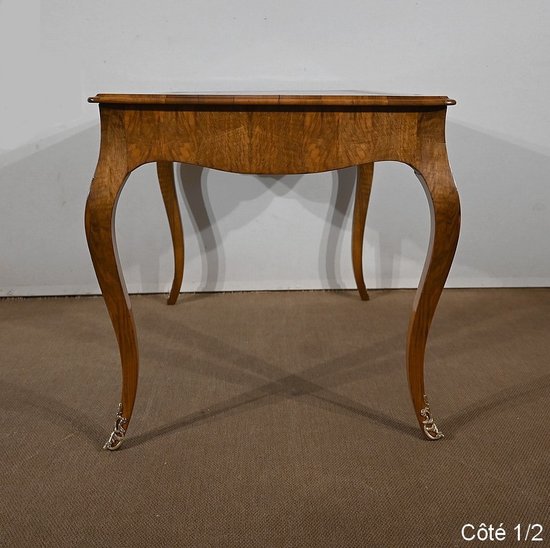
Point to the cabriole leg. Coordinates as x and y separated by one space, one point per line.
110 176
363 187
165 171
435 175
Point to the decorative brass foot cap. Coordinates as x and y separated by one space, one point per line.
117 436
430 428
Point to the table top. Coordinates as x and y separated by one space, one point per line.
321 98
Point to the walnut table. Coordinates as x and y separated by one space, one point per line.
271 134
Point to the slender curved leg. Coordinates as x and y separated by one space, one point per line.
165 171
435 175
110 176
363 187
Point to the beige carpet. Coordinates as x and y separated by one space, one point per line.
274 420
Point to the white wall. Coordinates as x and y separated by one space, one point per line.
252 232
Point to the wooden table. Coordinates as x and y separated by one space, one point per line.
271 134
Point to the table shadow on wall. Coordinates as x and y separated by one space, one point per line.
193 184
503 186
497 220
194 189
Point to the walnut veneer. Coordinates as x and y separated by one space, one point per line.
271 134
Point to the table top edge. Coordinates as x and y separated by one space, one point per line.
293 99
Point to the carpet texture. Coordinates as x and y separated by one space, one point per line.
274 420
